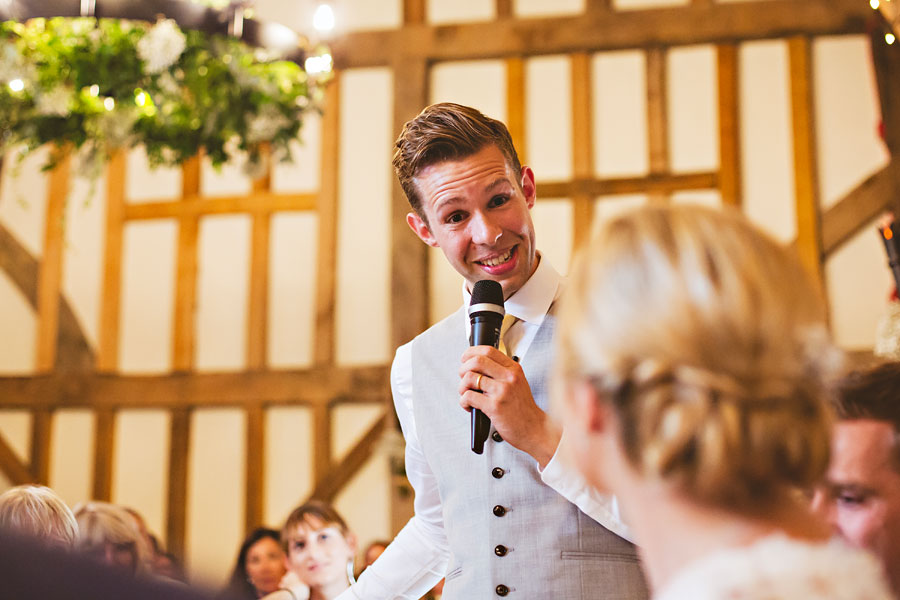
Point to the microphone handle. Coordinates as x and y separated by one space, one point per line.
485 332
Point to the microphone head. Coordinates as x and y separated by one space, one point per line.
487 295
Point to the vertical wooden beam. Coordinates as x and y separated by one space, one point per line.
503 8
515 105
186 270
414 12
657 115
179 443
108 351
255 469
321 441
41 431
582 144
104 444
326 269
258 301
730 186
51 265
599 6
806 180
409 256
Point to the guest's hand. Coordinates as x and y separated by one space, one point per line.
495 384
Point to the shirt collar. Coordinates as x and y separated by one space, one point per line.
532 301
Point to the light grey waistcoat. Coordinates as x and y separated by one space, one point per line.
509 534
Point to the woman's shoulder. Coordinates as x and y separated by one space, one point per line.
779 567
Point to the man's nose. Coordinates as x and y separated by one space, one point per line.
485 230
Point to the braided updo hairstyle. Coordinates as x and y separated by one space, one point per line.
710 342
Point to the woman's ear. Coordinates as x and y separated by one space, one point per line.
351 541
589 407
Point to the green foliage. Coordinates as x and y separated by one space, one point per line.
101 85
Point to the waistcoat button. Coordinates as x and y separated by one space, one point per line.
497 472
499 511
502 590
500 550
496 436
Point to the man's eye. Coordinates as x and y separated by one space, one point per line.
499 201
455 218
851 499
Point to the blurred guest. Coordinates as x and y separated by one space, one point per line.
160 562
373 551
693 370
108 534
37 511
260 565
320 550
860 496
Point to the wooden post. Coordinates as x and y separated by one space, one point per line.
729 126
176 523
257 305
41 430
806 181
51 265
255 469
186 270
657 116
515 105
582 145
104 445
108 354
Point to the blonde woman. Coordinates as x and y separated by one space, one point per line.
38 511
691 376
109 534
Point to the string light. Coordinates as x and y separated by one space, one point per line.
318 64
890 38
109 103
874 4
323 18
17 85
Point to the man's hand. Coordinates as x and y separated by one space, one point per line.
495 384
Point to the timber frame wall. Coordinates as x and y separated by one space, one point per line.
71 374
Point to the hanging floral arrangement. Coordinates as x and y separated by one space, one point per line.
102 85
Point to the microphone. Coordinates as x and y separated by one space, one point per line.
486 315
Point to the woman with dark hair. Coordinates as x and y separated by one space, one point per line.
260 565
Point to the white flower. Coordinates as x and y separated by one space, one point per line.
263 126
161 46
55 101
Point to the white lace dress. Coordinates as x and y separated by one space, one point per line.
780 568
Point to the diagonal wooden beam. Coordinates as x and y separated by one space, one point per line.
339 475
14 469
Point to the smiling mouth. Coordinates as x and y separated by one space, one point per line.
497 260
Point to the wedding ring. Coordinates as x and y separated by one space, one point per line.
478 382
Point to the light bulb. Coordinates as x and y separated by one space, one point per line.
17 85
874 4
323 18
890 38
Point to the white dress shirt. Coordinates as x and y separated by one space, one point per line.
418 557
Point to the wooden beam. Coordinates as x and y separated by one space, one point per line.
628 185
860 206
414 12
91 390
515 106
409 256
597 31
104 449
886 60
177 498
806 183
50 271
338 476
108 355
13 467
186 270
321 441
257 202
599 6
41 431
582 144
657 116
254 481
21 268
503 9
730 184
258 301
325 333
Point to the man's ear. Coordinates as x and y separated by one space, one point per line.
528 186
421 229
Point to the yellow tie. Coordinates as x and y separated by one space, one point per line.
508 321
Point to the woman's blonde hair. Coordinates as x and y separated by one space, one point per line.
710 341
101 523
38 511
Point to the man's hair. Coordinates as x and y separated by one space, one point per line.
442 132
873 393
38 511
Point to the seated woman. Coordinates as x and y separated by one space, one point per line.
320 550
692 371
109 534
260 565
38 511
